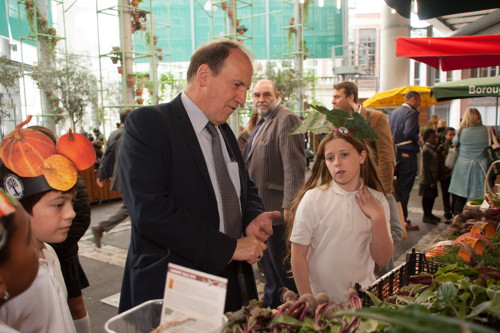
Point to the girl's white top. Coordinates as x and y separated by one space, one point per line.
43 307
6 329
338 233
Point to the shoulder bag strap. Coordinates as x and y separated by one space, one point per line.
492 138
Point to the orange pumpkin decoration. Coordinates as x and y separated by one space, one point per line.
476 246
24 150
484 228
77 148
59 172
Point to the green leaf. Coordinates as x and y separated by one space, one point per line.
354 122
445 295
494 307
416 319
375 300
449 277
314 122
286 320
427 296
478 309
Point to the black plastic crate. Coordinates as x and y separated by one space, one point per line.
393 281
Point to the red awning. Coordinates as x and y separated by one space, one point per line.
451 53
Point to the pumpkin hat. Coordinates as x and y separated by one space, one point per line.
36 164
340 121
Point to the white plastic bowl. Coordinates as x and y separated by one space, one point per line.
141 319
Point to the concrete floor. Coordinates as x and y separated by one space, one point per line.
104 267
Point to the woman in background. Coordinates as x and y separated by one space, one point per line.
469 172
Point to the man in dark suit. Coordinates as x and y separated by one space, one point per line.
172 188
277 165
406 134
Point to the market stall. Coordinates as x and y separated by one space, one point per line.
395 97
450 53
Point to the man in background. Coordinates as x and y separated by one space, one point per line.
276 163
406 134
109 169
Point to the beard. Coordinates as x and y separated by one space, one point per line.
265 109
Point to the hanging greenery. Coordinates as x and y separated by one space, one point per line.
9 72
72 84
9 76
40 28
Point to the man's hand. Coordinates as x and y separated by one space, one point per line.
249 249
262 226
99 182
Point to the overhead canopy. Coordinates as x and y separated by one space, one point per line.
449 53
433 8
395 97
470 88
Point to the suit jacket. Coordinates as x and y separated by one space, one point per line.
384 147
404 127
111 157
276 160
173 208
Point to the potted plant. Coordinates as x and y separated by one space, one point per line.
241 29
55 101
131 79
29 3
120 69
140 101
116 55
135 3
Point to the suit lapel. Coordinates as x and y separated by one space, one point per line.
186 128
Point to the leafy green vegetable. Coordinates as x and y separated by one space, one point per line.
417 319
445 295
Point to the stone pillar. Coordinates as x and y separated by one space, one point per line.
394 71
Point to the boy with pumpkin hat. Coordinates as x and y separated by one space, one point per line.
42 176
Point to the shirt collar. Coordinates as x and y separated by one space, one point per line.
196 116
410 106
338 190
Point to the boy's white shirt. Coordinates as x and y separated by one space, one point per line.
43 307
338 233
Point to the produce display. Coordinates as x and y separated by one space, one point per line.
416 296
306 313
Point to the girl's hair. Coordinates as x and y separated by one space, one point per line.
427 134
320 175
471 117
252 122
433 121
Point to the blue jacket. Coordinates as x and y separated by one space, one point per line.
469 172
404 127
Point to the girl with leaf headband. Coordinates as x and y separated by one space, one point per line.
42 176
339 222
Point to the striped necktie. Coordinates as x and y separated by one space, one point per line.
229 197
